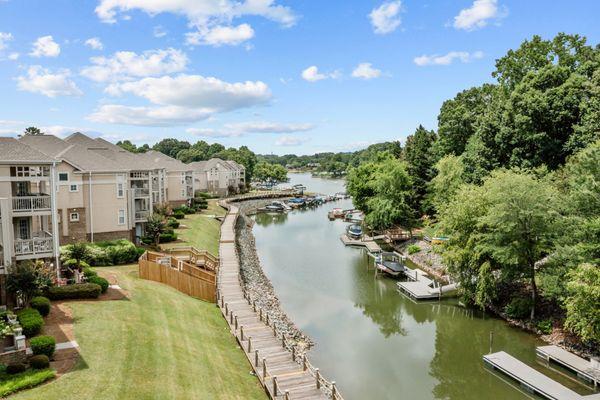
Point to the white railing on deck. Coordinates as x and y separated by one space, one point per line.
31 203
141 192
35 246
141 215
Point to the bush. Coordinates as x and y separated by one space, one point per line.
413 248
100 281
139 251
76 291
203 195
108 252
168 237
147 240
43 345
518 308
42 304
202 206
545 326
173 223
15 368
179 214
40 361
31 321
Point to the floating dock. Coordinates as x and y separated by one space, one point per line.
531 379
582 367
421 287
366 241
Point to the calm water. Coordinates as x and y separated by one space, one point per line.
374 342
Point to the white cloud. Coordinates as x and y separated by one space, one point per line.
41 80
221 35
5 37
159 31
290 141
366 71
447 59
94 43
268 127
45 46
196 91
202 15
478 14
312 74
212 133
124 65
13 56
386 18
63 131
147 116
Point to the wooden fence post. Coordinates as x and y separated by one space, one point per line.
304 362
242 333
256 358
318 378
264 369
267 319
293 353
333 390
226 308
236 323
230 317
275 386
287 395
249 344
260 314
254 305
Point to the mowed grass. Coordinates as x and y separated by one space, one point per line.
201 230
157 344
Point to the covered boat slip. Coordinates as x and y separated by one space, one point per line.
532 379
582 367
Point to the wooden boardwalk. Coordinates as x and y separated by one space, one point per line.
582 367
367 242
533 380
283 374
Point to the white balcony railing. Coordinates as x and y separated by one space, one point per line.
141 192
141 215
31 203
33 247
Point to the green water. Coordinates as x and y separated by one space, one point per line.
374 342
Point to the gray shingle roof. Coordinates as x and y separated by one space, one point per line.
163 160
13 151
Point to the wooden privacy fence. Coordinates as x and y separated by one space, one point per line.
179 274
200 258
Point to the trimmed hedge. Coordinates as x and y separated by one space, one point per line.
15 368
31 321
98 280
43 345
179 214
76 291
110 252
167 237
42 304
173 223
40 361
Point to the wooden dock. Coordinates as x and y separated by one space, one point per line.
531 379
366 241
582 367
283 374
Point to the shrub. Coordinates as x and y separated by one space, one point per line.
545 326
12 369
179 214
147 240
43 345
88 272
518 308
173 223
108 252
413 248
76 291
40 361
31 321
202 206
98 280
27 278
204 195
168 237
139 251
42 304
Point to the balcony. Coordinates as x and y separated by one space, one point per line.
141 216
141 193
32 203
40 246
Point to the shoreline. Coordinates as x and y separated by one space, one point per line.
257 284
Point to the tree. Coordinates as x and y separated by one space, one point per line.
265 172
32 130
171 147
26 279
420 161
583 312
155 226
447 181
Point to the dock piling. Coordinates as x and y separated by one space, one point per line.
318 378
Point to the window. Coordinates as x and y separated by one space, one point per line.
121 219
74 217
120 186
63 176
183 178
73 188
182 192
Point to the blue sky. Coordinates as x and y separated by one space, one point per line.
278 76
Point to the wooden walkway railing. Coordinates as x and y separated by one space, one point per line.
283 374
179 274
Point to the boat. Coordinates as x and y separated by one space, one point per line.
390 263
296 202
335 213
354 216
354 231
275 206
341 196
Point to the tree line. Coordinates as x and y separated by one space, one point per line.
511 178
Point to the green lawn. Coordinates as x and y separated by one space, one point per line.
201 231
157 344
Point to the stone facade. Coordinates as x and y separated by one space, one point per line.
177 203
13 357
76 229
101 236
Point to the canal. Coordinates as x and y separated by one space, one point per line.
373 341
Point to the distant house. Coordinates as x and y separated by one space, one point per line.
218 176
180 185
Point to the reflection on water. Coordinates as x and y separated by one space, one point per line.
374 342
